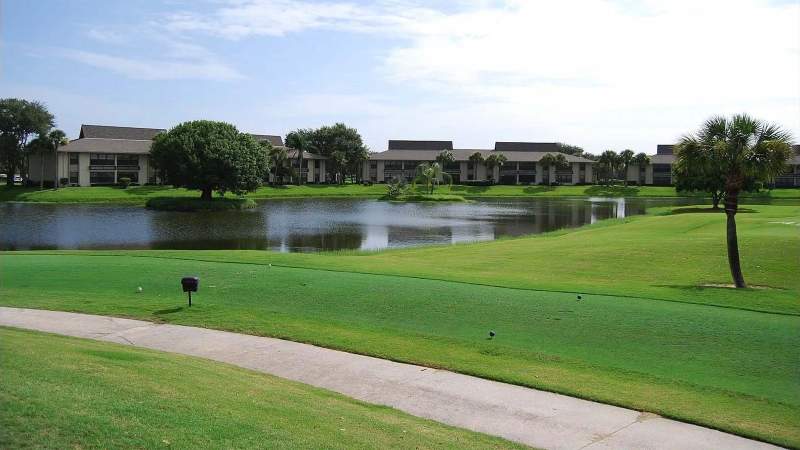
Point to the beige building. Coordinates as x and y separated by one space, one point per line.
522 166
102 155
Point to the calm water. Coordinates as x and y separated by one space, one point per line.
302 225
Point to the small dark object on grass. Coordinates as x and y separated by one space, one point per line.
491 334
579 297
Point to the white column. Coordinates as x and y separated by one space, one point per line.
648 174
83 169
576 173
463 168
589 172
380 172
552 175
310 173
539 173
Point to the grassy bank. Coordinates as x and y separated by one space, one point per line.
191 204
727 367
59 392
140 194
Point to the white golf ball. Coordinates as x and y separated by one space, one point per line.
139 289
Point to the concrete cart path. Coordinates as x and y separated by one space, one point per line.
537 418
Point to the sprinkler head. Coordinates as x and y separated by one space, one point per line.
491 334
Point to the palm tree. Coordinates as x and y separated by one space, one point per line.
277 160
476 158
445 157
746 151
492 161
429 175
47 144
552 161
641 160
625 160
609 162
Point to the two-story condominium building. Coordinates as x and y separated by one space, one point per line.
103 154
659 170
522 166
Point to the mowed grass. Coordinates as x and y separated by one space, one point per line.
140 194
59 392
727 367
680 256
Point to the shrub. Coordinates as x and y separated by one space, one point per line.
190 204
396 187
63 181
124 182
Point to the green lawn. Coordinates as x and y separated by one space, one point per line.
60 392
703 356
140 194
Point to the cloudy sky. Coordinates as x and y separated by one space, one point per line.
595 73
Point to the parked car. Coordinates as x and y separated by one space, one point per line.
17 179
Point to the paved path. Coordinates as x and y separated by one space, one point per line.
537 418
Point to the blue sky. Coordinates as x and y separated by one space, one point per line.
595 73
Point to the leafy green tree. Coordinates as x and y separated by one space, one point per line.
569 149
552 161
445 157
743 152
492 161
429 175
209 156
608 163
641 160
301 140
625 161
46 145
344 147
20 120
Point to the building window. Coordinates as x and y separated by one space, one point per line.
101 159
128 160
73 159
73 177
101 177
564 177
393 165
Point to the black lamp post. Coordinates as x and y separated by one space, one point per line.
190 285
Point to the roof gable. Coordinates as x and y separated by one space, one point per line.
111 132
526 146
395 144
664 149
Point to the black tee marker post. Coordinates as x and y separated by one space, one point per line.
190 285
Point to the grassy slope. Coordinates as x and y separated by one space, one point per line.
664 257
59 392
724 367
140 194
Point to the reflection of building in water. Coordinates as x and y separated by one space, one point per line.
480 231
375 237
332 240
404 236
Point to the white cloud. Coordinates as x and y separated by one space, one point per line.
171 68
566 64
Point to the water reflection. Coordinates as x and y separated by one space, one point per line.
303 225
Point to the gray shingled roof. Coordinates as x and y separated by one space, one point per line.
463 155
526 146
664 149
98 145
395 144
111 132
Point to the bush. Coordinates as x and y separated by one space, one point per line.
396 187
477 182
63 181
124 182
190 204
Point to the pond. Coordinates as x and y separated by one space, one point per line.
303 225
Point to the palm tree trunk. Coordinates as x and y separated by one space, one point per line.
206 194
41 172
731 206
